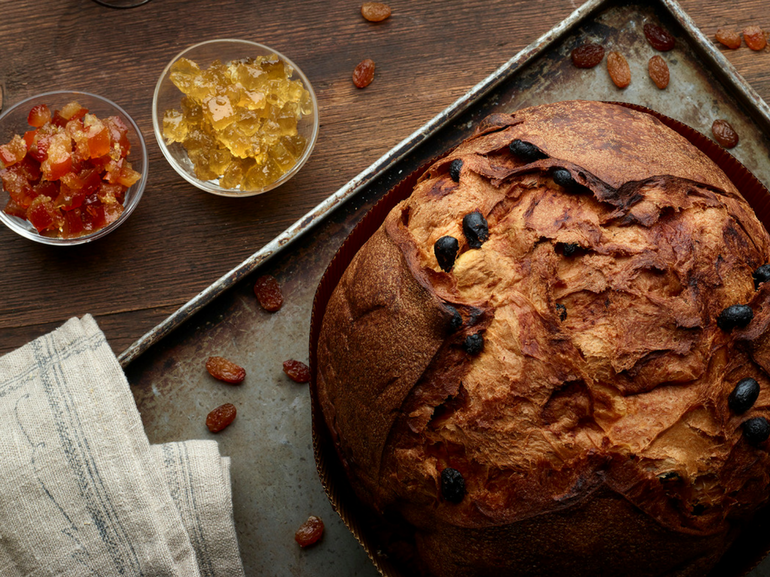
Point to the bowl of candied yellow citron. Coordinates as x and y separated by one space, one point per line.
234 118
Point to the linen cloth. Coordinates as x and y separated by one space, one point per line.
82 491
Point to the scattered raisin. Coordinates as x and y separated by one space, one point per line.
658 71
268 293
659 38
224 370
735 316
562 177
375 11
297 371
618 68
729 38
455 168
754 37
309 532
724 134
762 274
743 396
452 485
561 310
363 74
526 151
446 249
475 229
756 430
457 319
474 344
587 55
221 418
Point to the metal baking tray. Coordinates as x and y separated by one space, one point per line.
275 485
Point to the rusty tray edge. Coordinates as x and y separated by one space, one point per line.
755 105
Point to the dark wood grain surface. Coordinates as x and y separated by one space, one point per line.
180 239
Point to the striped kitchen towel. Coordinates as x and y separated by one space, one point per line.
82 491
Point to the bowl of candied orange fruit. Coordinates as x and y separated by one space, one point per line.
234 117
73 167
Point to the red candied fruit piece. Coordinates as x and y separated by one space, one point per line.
42 214
13 152
13 209
46 188
659 38
755 37
58 161
17 186
268 293
39 115
118 134
297 371
98 141
111 193
309 532
73 224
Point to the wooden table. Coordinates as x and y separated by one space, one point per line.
179 239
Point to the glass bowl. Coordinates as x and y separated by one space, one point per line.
14 121
167 96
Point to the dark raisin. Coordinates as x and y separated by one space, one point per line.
762 274
587 55
724 134
475 229
474 344
446 249
735 316
618 69
455 168
659 38
561 310
698 509
567 248
221 418
363 74
526 151
756 430
452 485
667 477
562 177
268 293
743 396
457 319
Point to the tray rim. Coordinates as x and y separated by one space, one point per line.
718 64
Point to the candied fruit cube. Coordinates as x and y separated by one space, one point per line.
42 214
59 159
73 111
183 74
219 111
97 136
282 157
39 115
13 152
174 126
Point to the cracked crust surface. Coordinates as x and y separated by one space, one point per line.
592 431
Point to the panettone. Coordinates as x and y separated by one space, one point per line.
553 357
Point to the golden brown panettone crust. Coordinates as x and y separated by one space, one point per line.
593 437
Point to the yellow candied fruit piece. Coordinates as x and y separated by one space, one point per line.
238 120
174 126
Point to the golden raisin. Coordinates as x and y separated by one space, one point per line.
724 134
268 293
221 418
618 68
375 11
297 371
309 532
587 55
363 74
659 71
729 38
225 370
659 38
754 37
